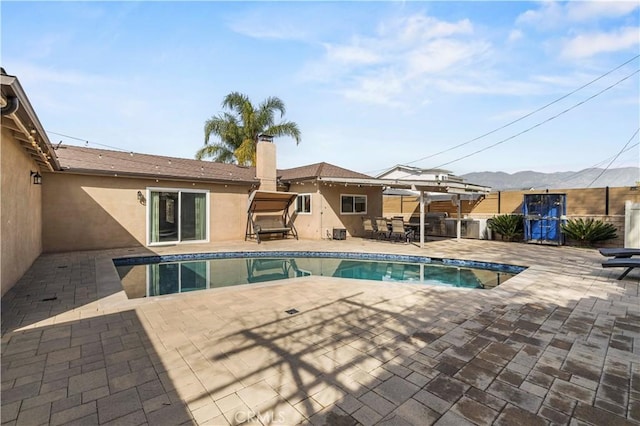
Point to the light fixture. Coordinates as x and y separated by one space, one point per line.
141 198
37 178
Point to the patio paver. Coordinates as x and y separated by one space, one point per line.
557 344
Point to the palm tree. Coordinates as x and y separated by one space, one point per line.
238 129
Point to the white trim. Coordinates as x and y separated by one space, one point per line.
366 204
306 194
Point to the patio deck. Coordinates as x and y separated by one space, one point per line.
557 344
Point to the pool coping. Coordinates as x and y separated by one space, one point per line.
143 260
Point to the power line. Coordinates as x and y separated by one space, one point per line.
541 123
573 176
86 141
614 158
528 114
138 158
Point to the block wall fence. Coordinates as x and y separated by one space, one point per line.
606 204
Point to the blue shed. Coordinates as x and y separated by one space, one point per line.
543 215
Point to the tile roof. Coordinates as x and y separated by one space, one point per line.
107 162
319 170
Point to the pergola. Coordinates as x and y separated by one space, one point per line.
425 190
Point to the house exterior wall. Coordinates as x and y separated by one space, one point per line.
331 216
20 212
308 225
85 212
325 210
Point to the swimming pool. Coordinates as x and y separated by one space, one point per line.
159 275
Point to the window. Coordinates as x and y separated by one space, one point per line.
353 204
175 215
303 204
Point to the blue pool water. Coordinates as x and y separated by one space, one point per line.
159 275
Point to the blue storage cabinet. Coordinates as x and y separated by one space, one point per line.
543 215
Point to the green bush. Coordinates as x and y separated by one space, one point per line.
510 226
588 231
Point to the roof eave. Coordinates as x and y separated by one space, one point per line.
416 185
27 121
115 173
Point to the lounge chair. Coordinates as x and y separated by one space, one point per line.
382 230
620 252
398 231
367 224
622 262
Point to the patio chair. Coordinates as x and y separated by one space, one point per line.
398 231
622 262
382 229
620 252
367 224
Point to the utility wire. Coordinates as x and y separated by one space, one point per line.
86 141
615 158
138 158
526 115
583 171
541 123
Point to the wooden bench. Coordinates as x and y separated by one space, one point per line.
269 224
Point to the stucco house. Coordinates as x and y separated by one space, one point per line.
127 199
68 198
25 153
86 198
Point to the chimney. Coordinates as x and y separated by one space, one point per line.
266 163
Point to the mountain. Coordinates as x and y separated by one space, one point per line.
624 176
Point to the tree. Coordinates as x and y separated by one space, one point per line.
238 129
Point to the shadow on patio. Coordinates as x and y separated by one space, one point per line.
557 343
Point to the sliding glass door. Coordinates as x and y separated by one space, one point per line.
176 215
179 277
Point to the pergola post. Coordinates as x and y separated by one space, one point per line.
422 219
458 203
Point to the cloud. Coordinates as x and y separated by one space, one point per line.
515 35
256 24
442 54
421 27
549 15
376 89
283 31
587 45
402 54
578 11
351 55
54 76
552 14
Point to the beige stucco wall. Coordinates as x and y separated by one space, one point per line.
20 212
325 209
94 212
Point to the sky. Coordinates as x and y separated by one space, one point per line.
370 84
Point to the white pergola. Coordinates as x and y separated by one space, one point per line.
426 190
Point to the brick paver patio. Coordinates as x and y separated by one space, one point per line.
557 344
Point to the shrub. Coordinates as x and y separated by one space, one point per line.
510 226
588 231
